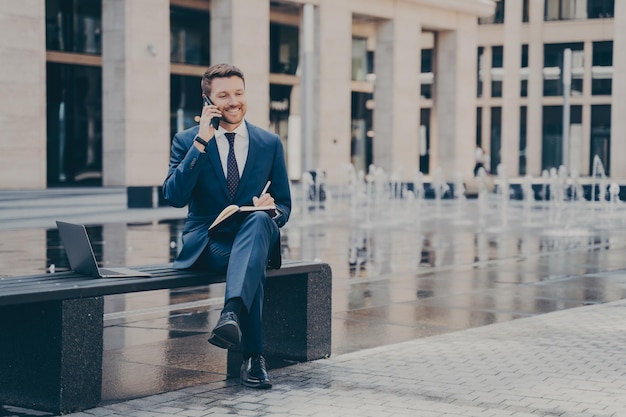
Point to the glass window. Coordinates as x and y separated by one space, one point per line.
601 136
553 68
576 115
497 62
370 63
600 9
525 11
602 68
522 140
284 48
524 62
427 76
496 138
74 124
497 56
74 26
479 126
524 72
497 17
185 102
280 103
552 10
603 54
359 59
496 88
578 9
552 131
427 60
362 131
573 9
189 36
479 81
578 72
424 146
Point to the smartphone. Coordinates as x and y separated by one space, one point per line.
215 122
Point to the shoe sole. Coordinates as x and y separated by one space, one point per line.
257 385
226 336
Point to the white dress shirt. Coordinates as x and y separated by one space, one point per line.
242 143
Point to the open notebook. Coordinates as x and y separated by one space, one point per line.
82 259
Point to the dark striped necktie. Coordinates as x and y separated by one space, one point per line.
232 172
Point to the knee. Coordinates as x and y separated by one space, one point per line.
263 220
259 216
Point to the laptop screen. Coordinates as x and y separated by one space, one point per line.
78 248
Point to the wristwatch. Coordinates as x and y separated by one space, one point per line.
201 141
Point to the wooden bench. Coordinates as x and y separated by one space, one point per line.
51 327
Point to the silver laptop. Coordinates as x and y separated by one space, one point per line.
82 259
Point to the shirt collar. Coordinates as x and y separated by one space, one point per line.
241 130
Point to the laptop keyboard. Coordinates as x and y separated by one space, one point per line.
104 271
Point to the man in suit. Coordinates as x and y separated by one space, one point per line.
211 168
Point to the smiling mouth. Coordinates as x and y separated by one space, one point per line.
232 115
233 111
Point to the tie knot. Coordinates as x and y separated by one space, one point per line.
231 138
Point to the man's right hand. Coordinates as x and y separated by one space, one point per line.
206 131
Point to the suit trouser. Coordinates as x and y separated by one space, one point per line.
245 257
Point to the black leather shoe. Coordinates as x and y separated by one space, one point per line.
226 333
254 373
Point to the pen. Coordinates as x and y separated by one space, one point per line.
265 188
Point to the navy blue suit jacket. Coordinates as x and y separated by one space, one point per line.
196 179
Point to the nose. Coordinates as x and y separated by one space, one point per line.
232 100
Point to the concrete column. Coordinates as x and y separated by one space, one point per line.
295 146
585 145
307 81
534 135
485 67
135 88
240 35
23 98
397 93
618 107
511 85
455 95
333 106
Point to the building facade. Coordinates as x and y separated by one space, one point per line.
95 89
551 87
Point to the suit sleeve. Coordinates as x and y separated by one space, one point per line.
280 185
183 172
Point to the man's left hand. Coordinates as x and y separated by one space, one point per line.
265 200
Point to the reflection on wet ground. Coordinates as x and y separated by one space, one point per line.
416 272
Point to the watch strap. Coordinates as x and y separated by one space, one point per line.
201 141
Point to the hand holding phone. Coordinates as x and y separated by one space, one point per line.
215 122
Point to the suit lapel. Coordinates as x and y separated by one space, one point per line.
253 150
214 155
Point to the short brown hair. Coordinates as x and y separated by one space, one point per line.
219 71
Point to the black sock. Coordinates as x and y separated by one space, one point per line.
233 305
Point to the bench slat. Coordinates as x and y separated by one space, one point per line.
70 285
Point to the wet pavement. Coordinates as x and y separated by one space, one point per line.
412 293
